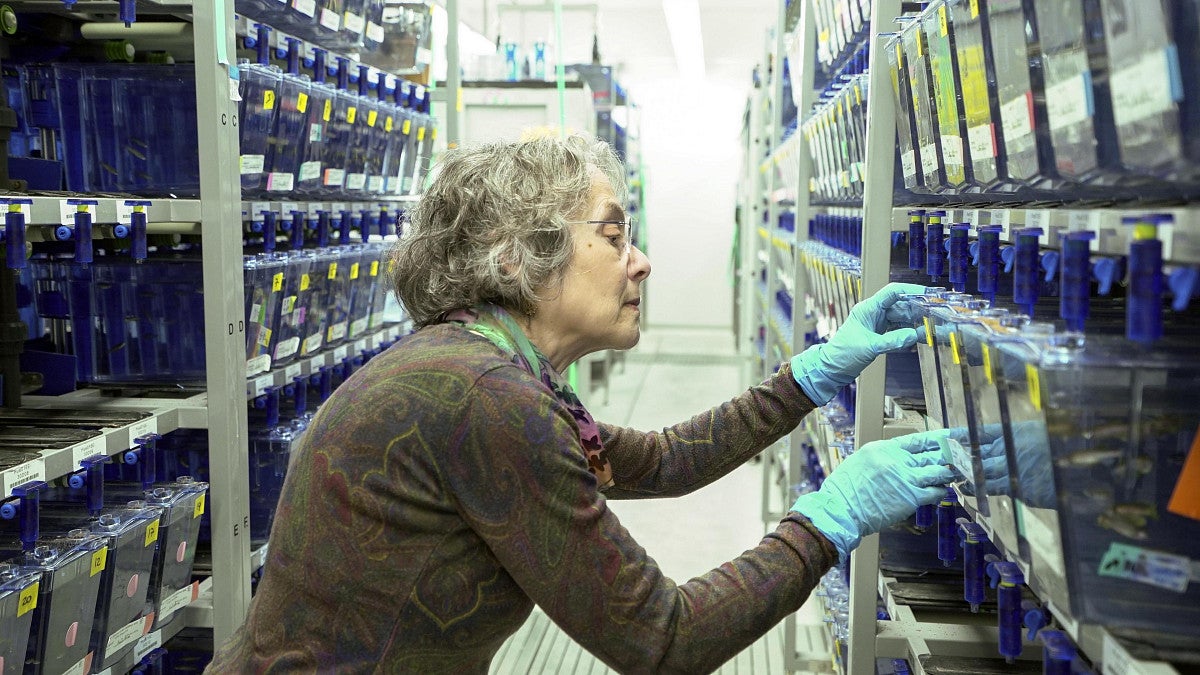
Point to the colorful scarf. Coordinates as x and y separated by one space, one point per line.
495 324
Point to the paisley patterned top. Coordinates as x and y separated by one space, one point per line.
442 491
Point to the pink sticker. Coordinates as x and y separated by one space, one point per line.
72 632
132 587
181 552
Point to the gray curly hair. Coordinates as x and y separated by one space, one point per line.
492 225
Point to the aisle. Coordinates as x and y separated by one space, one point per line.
670 376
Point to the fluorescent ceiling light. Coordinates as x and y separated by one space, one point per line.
683 21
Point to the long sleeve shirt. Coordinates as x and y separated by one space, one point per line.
442 491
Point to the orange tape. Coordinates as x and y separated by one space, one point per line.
1185 501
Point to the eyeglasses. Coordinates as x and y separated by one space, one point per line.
620 241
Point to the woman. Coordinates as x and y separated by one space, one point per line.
456 480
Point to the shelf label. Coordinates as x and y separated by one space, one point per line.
374 32
1068 102
148 643
29 599
1154 568
99 558
258 364
89 448
293 371
251 165
340 353
127 635
357 327
375 184
1146 87
143 428
286 348
151 532
33 470
279 181
330 19
354 23
261 384
307 8
67 210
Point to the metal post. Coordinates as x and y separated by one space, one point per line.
225 331
453 75
868 424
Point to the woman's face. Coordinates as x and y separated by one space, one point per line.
597 305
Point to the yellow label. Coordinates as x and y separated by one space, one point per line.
98 560
943 22
1035 385
268 100
28 601
199 509
351 114
899 53
152 532
920 44
858 95
974 9
277 282
406 127
421 134
928 331
304 282
332 271
354 271
302 102
387 123
372 117
954 348
433 134
987 365
328 112
374 268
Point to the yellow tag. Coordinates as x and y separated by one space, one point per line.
943 22
304 282
351 114
858 94
268 99
387 123
332 271
954 348
152 532
302 102
1035 385
899 54
974 9
28 600
325 115
277 282
920 45
354 271
374 268
98 560
987 365
433 134
372 116
421 134
928 331
407 127
199 509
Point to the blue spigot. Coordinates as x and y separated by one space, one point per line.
1035 618
1058 653
83 230
948 528
958 256
262 44
14 233
935 260
269 230
989 261
24 507
1143 316
138 248
1026 267
324 222
1008 600
298 225
974 543
1076 282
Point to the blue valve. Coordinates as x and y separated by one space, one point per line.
990 569
989 261
300 395
1075 289
385 222
935 261
1050 265
269 230
296 241
1035 619
262 44
324 221
925 516
121 231
366 222
318 66
958 256
14 233
973 251
343 73
1143 316
947 528
347 222
293 55
127 12
83 232
974 542
1026 285
94 469
1008 255
1008 600
1058 654
1105 272
62 233
137 231
1182 282
24 508
9 510
364 80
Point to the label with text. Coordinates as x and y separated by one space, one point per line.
143 428
33 470
89 448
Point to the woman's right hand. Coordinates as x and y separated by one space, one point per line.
880 484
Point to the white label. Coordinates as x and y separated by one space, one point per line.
292 371
1043 541
357 327
80 668
1037 218
356 181
424 55
339 354
313 343
330 19
1015 120
316 132
287 348
34 469
310 171
88 448
124 213
68 211
908 161
171 604
143 428
305 7
929 159
952 151
251 165
261 384
971 216
125 636
1117 661
337 331
980 138
374 32
149 642
280 182
338 207
256 211
258 364
1142 89
335 177
1066 102
375 184
234 94
355 23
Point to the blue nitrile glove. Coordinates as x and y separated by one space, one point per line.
1035 478
882 483
822 370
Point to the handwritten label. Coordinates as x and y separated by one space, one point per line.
354 23
327 112
375 184
1043 541
307 8
1015 118
356 181
258 364
313 343
198 508
148 643
357 327
1067 102
302 102
151 532
280 181
1144 88
33 470
28 600
374 32
330 19
251 165
332 274
310 171
980 139
99 559
339 354
269 99
407 127
337 331
335 177
127 635
1144 566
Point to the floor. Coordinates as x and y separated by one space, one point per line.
670 376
